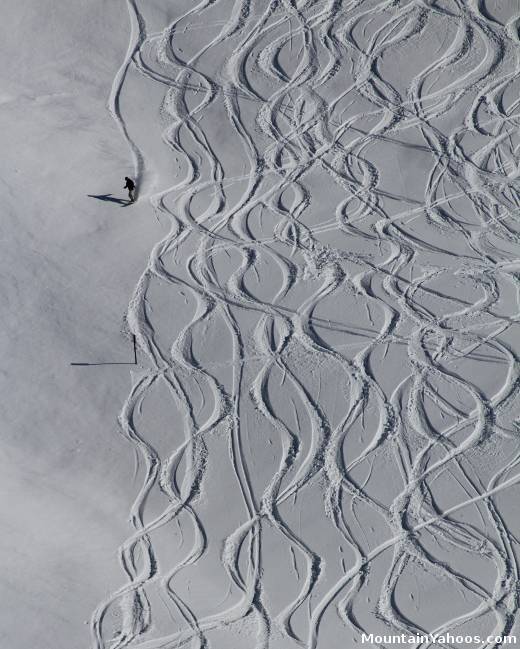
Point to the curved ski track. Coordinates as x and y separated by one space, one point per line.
346 219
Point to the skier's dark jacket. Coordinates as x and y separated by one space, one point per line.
129 183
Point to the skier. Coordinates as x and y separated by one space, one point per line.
130 185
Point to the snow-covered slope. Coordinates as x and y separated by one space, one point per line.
69 264
319 439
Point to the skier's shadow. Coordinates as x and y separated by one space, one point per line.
110 198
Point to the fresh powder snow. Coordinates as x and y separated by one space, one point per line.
273 403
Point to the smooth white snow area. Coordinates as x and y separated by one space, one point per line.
69 264
320 438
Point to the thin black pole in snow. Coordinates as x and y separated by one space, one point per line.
115 362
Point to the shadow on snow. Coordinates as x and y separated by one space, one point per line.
110 198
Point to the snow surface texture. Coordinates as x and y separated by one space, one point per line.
324 418
325 433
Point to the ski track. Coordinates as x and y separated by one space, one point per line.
308 99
